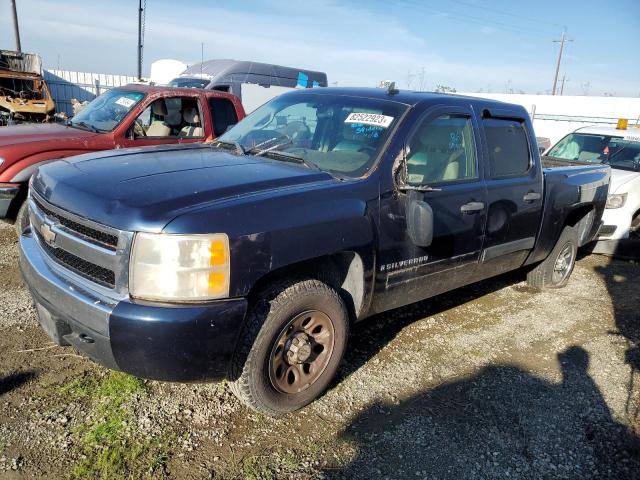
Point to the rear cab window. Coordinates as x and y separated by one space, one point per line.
508 147
223 115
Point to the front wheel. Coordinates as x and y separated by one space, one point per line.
634 231
291 347
22 218
555 270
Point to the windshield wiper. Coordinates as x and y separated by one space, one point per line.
85 126
290 157
236 146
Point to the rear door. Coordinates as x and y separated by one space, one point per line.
514 188
441 153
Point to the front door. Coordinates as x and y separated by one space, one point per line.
442 157
165 121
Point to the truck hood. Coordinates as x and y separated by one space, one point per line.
622 180
18 134
144 189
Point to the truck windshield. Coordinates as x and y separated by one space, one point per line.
338 134
104 113
618 152
184 82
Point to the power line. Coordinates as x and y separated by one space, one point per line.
507 14
462 17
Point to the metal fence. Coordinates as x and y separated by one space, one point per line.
82 86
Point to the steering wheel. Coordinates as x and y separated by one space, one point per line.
138 129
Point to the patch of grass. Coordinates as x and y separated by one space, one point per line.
268 467
257 468
80 388
108 443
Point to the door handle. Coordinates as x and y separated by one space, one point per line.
472 207
531 197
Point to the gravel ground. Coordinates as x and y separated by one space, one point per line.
491 381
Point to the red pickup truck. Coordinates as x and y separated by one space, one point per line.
131 116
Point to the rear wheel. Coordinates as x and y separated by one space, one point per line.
555 270
291 347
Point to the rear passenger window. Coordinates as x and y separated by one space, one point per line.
223 115
508 147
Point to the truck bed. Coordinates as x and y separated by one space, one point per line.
551 162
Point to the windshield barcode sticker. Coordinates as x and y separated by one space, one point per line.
632 138
125 102
374 119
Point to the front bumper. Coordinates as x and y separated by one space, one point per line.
173 343
616 224
7 193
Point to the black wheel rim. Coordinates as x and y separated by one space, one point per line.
301 352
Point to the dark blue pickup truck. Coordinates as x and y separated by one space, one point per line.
249 258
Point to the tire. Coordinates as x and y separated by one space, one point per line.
634 231
278 344
555 270
22 218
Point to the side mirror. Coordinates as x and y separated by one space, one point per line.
419 216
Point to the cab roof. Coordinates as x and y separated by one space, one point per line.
412 98
141 87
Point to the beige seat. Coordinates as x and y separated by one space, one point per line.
158 127
432 160
193 127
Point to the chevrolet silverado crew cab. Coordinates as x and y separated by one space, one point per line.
131 116
249 258
620 149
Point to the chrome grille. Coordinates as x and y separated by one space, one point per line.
85 248
91 234
88 270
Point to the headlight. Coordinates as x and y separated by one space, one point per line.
616 200
179 268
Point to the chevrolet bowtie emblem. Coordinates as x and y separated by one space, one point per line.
48 235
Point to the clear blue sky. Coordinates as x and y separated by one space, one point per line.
471 45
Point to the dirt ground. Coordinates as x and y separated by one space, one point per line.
491 381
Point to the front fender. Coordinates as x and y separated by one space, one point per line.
267 235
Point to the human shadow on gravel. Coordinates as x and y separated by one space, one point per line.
622 279
500 423
371 335
15 380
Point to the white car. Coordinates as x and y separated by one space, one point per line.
619 148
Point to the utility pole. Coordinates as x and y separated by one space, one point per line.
564 78
140 11
16 29
561 42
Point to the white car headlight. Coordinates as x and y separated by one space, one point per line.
616 200
179 268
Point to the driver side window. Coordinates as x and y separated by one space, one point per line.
442 150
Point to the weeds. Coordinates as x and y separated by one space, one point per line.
108 442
